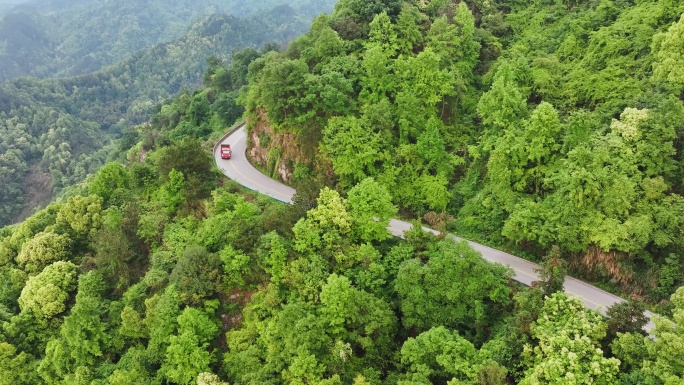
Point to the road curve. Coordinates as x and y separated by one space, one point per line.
239 169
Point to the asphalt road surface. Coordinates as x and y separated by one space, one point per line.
239 169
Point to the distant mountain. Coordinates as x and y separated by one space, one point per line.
54 129
70 38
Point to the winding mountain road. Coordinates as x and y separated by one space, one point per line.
239 169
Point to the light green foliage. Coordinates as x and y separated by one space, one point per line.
376 79
328 44
568 346
109 183
503 106
80 215
236 267
296 339
329 95
383 34
132 325
668 49
443 38
304 366
455 44
431 149
364 12
540 123
84 337
431 297
208 378
239 227
16 367
115 249
353 148
194 163
603 193
153 218
664 352
282 88
10 245
131 369
46 293
439 355
408 31
187 355
276 255
523 155
172 194
56 364
367 269
370 207
469 48
321 239
324 225
423 175
422 85
125 377
161 320
628 125
42 250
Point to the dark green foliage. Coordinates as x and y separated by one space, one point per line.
197 275
625 317
63 40
552 273
431 297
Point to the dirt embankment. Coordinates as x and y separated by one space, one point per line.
38 188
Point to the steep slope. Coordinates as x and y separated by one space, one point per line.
59 126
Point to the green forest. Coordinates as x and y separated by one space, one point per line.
526 125
161 271
55 131
69 38
551 128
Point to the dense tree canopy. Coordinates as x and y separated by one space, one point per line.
525 123
533 125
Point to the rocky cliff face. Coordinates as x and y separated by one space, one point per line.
276 152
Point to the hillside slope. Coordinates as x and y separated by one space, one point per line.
531 124
159 271
54 130
62 39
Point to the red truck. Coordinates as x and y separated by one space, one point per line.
226 152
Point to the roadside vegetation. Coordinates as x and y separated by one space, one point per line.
511 122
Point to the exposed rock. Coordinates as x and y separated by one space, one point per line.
273 151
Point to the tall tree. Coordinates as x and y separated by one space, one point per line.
370 207
187 355
568 346
431 297
46 293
